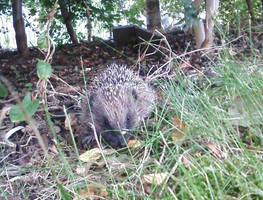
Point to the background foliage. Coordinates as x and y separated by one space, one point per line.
106 14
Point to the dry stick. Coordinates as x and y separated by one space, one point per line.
167 43
50 19
172 54
42 84
60 79
148 77
144 53
99 145
172 193
54 92
172 170
151 77
210 48
197 50
7 101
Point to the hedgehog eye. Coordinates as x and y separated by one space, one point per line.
106 122
91 99
128 120
134 94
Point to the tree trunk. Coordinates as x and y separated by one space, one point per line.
199 32
89 24
67 20
262 9
211 7
199 29
153 15
19 26
250 10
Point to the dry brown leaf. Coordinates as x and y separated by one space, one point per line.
134 144
54 149
91 155
84 169
185 64
178 134
94 191
215 150
147 188
156 179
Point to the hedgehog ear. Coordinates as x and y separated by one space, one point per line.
134 94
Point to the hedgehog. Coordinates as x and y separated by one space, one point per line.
118 100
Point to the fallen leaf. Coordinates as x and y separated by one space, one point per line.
53 148
178 133
134 144
156 179
215 150
185 64
93 191
147 188
91 155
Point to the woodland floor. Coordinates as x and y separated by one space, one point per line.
67 64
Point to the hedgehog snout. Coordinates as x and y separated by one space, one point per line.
117 138
124 137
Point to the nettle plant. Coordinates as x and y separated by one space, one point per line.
27 107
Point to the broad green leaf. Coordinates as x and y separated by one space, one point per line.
44 70
16 114
3 91
27 99
42 41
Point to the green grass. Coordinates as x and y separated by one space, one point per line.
206 111
225 113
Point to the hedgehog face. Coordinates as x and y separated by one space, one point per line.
115 118
118 100
114 130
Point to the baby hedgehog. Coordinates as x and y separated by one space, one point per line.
118 101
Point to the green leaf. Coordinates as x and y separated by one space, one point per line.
27 99
42 41
16 114
44 70
64 194
3 91
29 85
